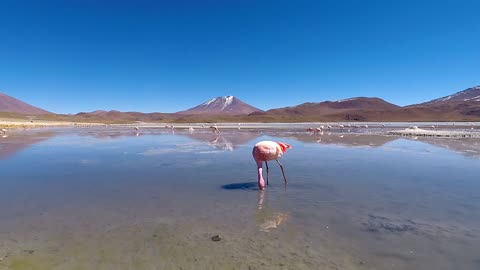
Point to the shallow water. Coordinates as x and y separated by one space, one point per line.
105 198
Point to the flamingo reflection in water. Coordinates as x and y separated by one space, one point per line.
268 220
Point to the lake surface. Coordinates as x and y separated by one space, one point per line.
107 198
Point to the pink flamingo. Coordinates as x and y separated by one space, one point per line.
215 129
265 151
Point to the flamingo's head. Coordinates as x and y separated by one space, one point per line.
284 146
261 184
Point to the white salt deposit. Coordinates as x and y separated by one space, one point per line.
415 131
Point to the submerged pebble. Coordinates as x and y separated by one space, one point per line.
216 238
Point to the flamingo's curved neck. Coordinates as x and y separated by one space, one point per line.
261 182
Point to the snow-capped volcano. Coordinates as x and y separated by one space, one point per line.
229 105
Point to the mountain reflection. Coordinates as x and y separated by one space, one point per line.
12 144
224 141
349 140
229 140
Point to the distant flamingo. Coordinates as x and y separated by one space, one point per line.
4 131
315 130
215 129
136 129
265 151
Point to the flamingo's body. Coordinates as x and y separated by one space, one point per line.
4 131
265 151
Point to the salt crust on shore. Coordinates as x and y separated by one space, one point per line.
434 133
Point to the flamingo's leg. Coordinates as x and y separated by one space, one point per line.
283 172
266 164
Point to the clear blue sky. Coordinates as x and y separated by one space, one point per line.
82 55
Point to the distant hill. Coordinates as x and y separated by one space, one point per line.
352 109
117 116
13 105
228 105
468 95
463 105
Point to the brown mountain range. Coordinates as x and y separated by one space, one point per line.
352 109
461 106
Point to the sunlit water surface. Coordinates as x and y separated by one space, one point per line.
112 199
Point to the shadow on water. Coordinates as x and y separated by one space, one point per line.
244 186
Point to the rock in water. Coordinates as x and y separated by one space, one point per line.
216 238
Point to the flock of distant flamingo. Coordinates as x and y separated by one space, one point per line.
349 127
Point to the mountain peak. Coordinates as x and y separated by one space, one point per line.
228 105
226 100
467 95
13 105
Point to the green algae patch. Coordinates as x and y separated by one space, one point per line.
25 263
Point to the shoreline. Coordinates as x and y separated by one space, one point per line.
16 124
428 129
